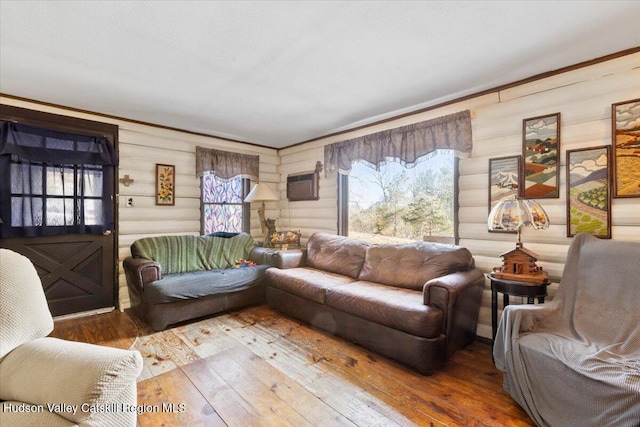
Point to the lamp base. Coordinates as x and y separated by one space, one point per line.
519 265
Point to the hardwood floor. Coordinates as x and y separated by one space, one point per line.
256 367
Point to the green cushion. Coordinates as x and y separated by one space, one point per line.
182 254
220 252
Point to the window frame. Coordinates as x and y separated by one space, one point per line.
76 198
246 207
65 124
343 202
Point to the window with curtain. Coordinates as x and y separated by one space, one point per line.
225 182
396 204
384 199
223 207
53 182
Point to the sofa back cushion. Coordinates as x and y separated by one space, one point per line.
412 265
176 254
221 252
336 254
182 254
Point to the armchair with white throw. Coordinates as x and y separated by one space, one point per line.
575 361
51 382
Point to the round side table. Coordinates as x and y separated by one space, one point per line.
514 288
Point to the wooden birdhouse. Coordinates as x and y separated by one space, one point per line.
519 264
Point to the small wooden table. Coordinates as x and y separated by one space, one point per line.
512 287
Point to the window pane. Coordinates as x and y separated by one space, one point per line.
60 181
397 204
20 182
92 180
29 212
93 212
222 218
60 212
217 190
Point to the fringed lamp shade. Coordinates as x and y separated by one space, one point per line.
513 213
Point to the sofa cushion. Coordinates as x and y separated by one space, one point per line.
412 265
197 284
182 254
397 308
337 254
305 282
176 254
221 252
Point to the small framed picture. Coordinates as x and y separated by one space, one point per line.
165 185
541 156
588 195
504 180
625 123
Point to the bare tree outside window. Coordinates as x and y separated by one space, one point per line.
395 204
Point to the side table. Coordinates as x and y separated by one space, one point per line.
511 287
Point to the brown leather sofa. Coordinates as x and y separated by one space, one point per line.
416 303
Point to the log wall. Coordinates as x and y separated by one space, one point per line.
582 96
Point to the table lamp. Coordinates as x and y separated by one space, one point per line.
262 193
512 214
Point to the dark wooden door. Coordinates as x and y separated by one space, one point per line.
78 271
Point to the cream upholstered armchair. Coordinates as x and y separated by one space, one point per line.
51 382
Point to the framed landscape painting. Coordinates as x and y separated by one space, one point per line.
541 156
588 195
165 185
625 117
504 179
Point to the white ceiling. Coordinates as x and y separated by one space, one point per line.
278 73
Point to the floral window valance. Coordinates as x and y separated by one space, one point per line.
406 143
225 164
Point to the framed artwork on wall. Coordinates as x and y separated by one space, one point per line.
165 185
541 156
504 180
588 193
625 123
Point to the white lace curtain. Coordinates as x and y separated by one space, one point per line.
406 144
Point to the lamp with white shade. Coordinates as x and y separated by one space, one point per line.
262 193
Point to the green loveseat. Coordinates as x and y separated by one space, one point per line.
176 278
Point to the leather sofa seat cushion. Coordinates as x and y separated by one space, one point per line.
306 282
412 265
397 308
337 254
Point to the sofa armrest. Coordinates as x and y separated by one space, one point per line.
78 375
261 255
458 295
291 258
141 271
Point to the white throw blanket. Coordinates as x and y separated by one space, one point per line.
575 361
